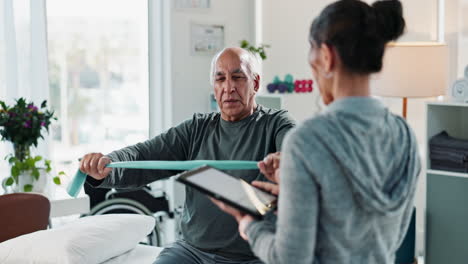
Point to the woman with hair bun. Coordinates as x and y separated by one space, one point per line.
348 176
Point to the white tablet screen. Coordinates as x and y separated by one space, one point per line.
229 187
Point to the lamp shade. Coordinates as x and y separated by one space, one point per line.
412 69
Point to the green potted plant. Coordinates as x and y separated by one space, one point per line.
23 124
260 50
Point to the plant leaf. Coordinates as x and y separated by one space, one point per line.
28 188
35 173
9 181
244 44
3 105
47 164
62 173
12 160
15 172
57 180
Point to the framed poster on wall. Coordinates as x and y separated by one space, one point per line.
206 39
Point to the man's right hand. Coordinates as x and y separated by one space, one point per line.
94 165
269 166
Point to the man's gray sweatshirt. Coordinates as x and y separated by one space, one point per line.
348 180
206 137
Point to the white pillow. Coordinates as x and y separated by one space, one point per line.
91 239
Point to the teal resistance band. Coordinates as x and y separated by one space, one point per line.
78 181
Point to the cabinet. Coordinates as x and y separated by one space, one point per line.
299 105
446 192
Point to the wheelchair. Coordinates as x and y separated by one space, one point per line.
143 201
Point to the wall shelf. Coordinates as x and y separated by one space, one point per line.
448 103
448 173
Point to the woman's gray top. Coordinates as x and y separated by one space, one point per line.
348 180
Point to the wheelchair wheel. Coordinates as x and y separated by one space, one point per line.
127 206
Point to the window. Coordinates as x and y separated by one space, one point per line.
15 58
2 55
98 75
3 150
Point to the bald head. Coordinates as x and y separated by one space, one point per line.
235 80
249 62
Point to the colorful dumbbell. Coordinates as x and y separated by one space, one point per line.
303 86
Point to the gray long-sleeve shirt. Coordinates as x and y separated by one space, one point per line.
207 137
348 180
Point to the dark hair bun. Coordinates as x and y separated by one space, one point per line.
390 19
359 31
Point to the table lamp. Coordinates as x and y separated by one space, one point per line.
412 70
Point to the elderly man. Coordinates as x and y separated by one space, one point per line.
242 130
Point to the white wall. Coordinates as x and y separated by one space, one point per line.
285 29
190 74
286 26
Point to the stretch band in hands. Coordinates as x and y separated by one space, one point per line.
78 181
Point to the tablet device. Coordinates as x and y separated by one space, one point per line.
229 189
